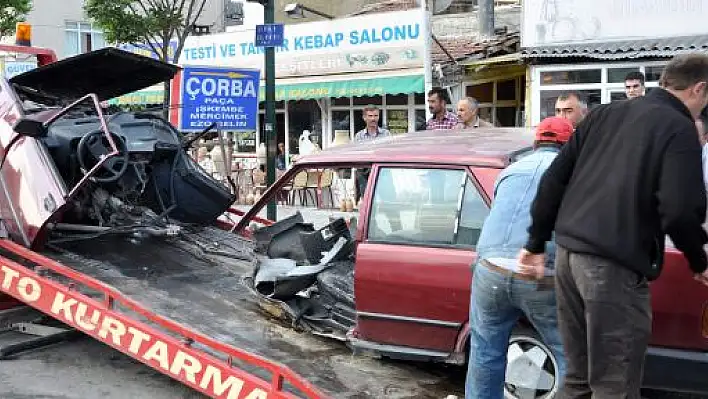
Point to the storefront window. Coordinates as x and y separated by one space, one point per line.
397 121
420 99
304 115
501 100
397 113
245 141
571 77
420 121
340 121
279 105
398 99
549 97
653 73
279 127
506 116
359 123
506 90
551 80
342 101
486 113
617 75
368 100
617 96
484 93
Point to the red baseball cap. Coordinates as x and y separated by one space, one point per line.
554 129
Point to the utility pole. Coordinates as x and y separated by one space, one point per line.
427 53
485 18
269 38
270 123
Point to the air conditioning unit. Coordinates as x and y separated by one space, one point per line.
233 13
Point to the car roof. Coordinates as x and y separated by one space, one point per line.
495 147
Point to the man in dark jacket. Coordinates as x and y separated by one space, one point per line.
630 174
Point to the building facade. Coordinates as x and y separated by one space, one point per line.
327 72
589 47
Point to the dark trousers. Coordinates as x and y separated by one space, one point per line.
604 317
362 179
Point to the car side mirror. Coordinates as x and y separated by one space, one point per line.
30 128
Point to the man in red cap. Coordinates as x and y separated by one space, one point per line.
500 293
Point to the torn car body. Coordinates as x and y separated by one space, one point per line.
95 174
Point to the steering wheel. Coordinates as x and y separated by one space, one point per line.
93 147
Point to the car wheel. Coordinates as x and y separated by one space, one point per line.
531 368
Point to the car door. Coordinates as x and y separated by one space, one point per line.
412 275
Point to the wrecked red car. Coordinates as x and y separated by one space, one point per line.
395 280
106 212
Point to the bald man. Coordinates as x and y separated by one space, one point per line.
468 113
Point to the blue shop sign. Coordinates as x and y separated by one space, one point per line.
226 96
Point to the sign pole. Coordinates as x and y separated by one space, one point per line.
427 53
270 123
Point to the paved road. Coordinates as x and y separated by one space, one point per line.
87 369
84 369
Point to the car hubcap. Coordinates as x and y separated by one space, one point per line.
530 370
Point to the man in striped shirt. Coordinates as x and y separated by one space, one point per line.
442 118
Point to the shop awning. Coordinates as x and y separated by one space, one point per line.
369 84
622 49
148 95
365 84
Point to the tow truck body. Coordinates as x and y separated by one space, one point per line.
167 293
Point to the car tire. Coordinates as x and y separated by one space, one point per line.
531 367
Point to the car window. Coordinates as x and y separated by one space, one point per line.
472 215
425 206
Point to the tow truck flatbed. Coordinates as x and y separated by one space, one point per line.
179 286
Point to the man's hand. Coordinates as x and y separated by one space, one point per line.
702 277
534 264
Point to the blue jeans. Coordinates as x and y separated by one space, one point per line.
497 303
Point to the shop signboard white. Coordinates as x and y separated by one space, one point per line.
554 22
375 42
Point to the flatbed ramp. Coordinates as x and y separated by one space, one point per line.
177 286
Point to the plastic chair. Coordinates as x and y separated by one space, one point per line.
325 183
299 186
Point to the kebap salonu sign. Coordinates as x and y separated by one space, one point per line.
376 42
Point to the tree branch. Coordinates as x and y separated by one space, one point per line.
182 36
142 5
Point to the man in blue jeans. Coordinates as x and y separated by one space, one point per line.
501 294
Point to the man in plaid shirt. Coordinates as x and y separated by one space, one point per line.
437 103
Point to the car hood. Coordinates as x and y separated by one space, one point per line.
108 73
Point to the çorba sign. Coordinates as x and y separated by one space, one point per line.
123 334
223 95
373 42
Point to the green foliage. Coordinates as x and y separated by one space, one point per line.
150 22
12 12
